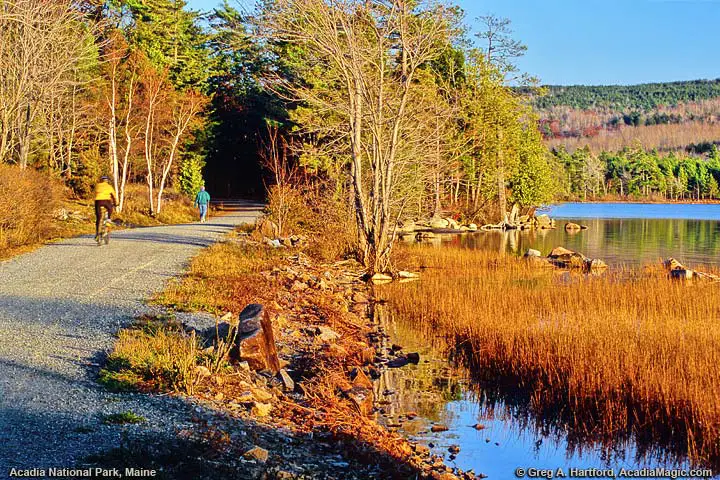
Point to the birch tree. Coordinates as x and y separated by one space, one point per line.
186 110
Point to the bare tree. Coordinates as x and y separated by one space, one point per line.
371 54
154 88
499 47
186 109
121 72
42 45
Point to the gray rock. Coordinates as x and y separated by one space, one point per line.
438 223
288 382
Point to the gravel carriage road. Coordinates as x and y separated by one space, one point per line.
59 309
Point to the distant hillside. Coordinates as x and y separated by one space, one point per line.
668 116
644 97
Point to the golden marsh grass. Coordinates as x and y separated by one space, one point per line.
622 354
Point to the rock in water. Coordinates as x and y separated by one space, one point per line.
596 264
543 220
438 223
413 357
532 253
255 341
452 223
404 274
681 274
572 226
559 252
380 278
398 362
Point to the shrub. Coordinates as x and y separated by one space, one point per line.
83 178
27 201
190 175
287 208
326 217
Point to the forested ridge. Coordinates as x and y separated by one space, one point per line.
642 97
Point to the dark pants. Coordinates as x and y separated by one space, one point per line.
99 205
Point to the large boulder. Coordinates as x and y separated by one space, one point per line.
255 340
268 228
543 220
558 252
438 223
564 258
678 271
452 223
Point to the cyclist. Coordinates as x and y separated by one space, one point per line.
105 197
202 199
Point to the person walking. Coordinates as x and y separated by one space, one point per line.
202 200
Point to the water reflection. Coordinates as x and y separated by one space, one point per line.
616 241
520 428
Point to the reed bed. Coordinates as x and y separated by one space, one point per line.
621 354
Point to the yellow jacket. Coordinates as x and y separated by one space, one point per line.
104 191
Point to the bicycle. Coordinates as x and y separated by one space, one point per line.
104 235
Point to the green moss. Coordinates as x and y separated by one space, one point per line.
123 418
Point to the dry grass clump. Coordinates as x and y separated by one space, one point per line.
27 200
176 207
333 230
224 277
322 215
154 355
624 352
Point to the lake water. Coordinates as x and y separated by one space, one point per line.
512 437
619 233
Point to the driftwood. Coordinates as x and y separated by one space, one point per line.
678 271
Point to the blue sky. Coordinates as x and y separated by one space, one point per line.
602 42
